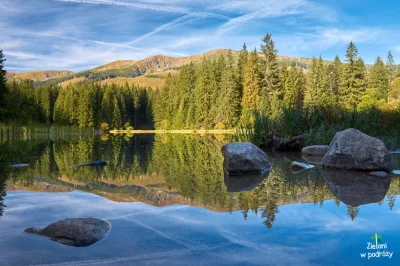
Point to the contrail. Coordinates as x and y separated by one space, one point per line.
161 28
152 7
144 6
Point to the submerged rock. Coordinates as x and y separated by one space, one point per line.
94 163
239 183
354 150
78 232
292 144
298 167
356 188
244 158
314 159
316 150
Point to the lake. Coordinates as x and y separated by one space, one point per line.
168 202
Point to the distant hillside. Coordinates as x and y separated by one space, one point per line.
39 75
150 71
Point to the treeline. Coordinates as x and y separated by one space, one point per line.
226 92
81 105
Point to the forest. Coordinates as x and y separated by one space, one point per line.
249 91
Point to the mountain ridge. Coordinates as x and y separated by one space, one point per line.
150 71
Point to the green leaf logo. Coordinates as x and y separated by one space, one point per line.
377 236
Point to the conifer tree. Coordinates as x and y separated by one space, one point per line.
353 78
391 67
205 94
333 81
272 92
316 94
379 79
228 102
241 67
116 122
3 87
251 86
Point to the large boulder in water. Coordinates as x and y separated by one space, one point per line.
79 232
244 158
354 150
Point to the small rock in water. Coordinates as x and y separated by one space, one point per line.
316 150
78 232
396 172
19 165
379 173
297 166
395 151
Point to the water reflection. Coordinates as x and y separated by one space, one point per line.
163 170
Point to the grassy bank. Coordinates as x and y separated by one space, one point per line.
188 131
321 124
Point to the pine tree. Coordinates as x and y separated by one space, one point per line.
3 87
228 102
205 94
379 79
251 86
272 92
333 81
316 93
241 68
353 78
294 91
116 122
391 67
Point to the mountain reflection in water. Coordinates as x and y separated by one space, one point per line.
163 170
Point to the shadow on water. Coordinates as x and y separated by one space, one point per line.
163 170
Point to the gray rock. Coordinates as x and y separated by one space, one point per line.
285 144
316 150
78 232
244 158
354 150
299 167
356 188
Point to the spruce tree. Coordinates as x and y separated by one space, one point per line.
333 80
272 92
251 86
228 102
316 93
379 79
3 87
353 78
391 67
205 94
241 67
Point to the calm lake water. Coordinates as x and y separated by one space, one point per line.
169 203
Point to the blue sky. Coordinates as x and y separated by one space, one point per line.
81 34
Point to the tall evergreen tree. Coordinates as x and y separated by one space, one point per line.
353 78
316 94
391 67
333 80
205 94
272 92
379 79
228 102
251 86
3 87
241 67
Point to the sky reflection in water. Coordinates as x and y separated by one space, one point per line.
206 234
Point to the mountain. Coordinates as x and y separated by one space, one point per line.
150 71
39 75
